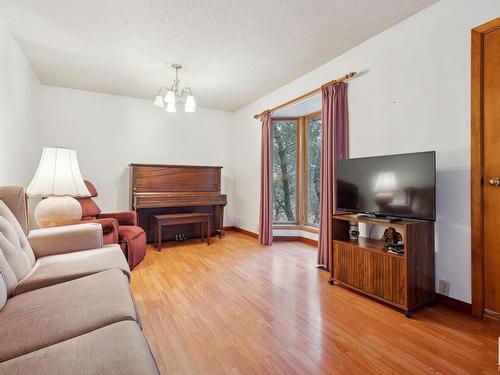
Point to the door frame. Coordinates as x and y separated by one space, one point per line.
477 164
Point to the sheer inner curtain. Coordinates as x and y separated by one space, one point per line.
266 209
334 146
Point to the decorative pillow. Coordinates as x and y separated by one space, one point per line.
89 208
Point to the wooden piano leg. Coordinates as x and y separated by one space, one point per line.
219 220
208 232
221 233
158 235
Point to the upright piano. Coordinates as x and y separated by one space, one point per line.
157 189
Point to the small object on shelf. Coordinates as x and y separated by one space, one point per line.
353 231
396 249
396 246
391 236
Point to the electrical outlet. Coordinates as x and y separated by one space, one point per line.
444 287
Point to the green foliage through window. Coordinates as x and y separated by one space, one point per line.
313 169
296 144
284 171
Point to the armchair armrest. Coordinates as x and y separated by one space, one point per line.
66 239
109 229
123 218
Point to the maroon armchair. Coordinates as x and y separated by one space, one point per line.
117 227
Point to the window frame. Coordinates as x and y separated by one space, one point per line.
301 174
305 200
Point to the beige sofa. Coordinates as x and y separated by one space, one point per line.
65 303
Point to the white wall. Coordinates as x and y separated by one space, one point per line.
412 93
109 132
413 87
20 147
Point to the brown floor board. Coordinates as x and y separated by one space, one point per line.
236 307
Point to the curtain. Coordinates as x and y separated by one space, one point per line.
266 209
334 146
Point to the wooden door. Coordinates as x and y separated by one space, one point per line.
485 173
491 185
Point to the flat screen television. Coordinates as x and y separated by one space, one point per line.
402 186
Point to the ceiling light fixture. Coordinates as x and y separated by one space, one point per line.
168 97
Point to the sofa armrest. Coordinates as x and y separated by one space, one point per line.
123 218
66 239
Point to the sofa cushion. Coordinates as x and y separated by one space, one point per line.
14 244
3 291
119 348
56 269
44 317
11 248
8 276
14 197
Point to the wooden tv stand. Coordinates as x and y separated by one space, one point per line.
365 265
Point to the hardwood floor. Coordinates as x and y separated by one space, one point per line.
236 307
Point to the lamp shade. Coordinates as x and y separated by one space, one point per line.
386 182
170 97
170 108
190 105
158 101
58 174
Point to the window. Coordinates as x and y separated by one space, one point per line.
285 171
313 164
296 171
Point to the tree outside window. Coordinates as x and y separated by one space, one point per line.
296 170
284 171
313 169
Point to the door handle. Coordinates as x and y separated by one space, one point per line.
495 181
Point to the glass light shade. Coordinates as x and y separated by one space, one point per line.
159 101
58 174
190 105
171 107
170 97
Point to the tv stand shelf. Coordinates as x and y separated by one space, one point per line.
365 265
368 244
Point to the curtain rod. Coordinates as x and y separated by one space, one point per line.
298 98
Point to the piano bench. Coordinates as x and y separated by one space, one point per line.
184 218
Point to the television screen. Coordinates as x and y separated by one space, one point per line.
392 185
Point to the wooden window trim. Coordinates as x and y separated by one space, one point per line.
301 176
306 118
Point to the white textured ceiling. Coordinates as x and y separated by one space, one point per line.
234 51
